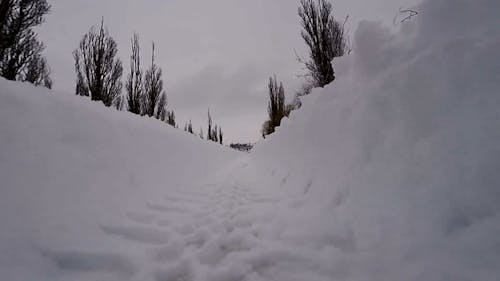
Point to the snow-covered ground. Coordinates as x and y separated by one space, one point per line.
390 173
80 182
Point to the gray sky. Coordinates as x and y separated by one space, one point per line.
216 54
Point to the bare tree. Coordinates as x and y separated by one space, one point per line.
170 119
98 69
134 84
153 87
215 137
17 17
220 135
38 73
276 108
17 58
20 50
6 7
161 111
209 129
325 38
188 127
265 129
214 132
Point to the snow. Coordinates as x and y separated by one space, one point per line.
80 182
390 173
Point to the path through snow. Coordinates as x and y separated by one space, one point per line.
213 233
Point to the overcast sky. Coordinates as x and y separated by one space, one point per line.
215 54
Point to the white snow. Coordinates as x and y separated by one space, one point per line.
390 173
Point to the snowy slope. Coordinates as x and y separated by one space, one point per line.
74 175
390 173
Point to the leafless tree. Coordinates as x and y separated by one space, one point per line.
161 111
215 135
214 132
153 87
325 38
20 50
38 73
189 127
221 135
134 84
17 17
98 69
276 108
170 119
18 56
209 129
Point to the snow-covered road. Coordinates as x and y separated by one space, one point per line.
210 232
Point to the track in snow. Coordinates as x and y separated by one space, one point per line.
226 233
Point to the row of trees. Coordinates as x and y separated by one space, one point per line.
214 131
325 39
99 72
21 56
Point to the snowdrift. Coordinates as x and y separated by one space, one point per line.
70 169
393 170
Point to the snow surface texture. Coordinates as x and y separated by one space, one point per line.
391 173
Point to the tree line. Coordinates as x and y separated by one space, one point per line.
214 131
99 74
99 71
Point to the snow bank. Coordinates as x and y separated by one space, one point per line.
73 172
392 171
